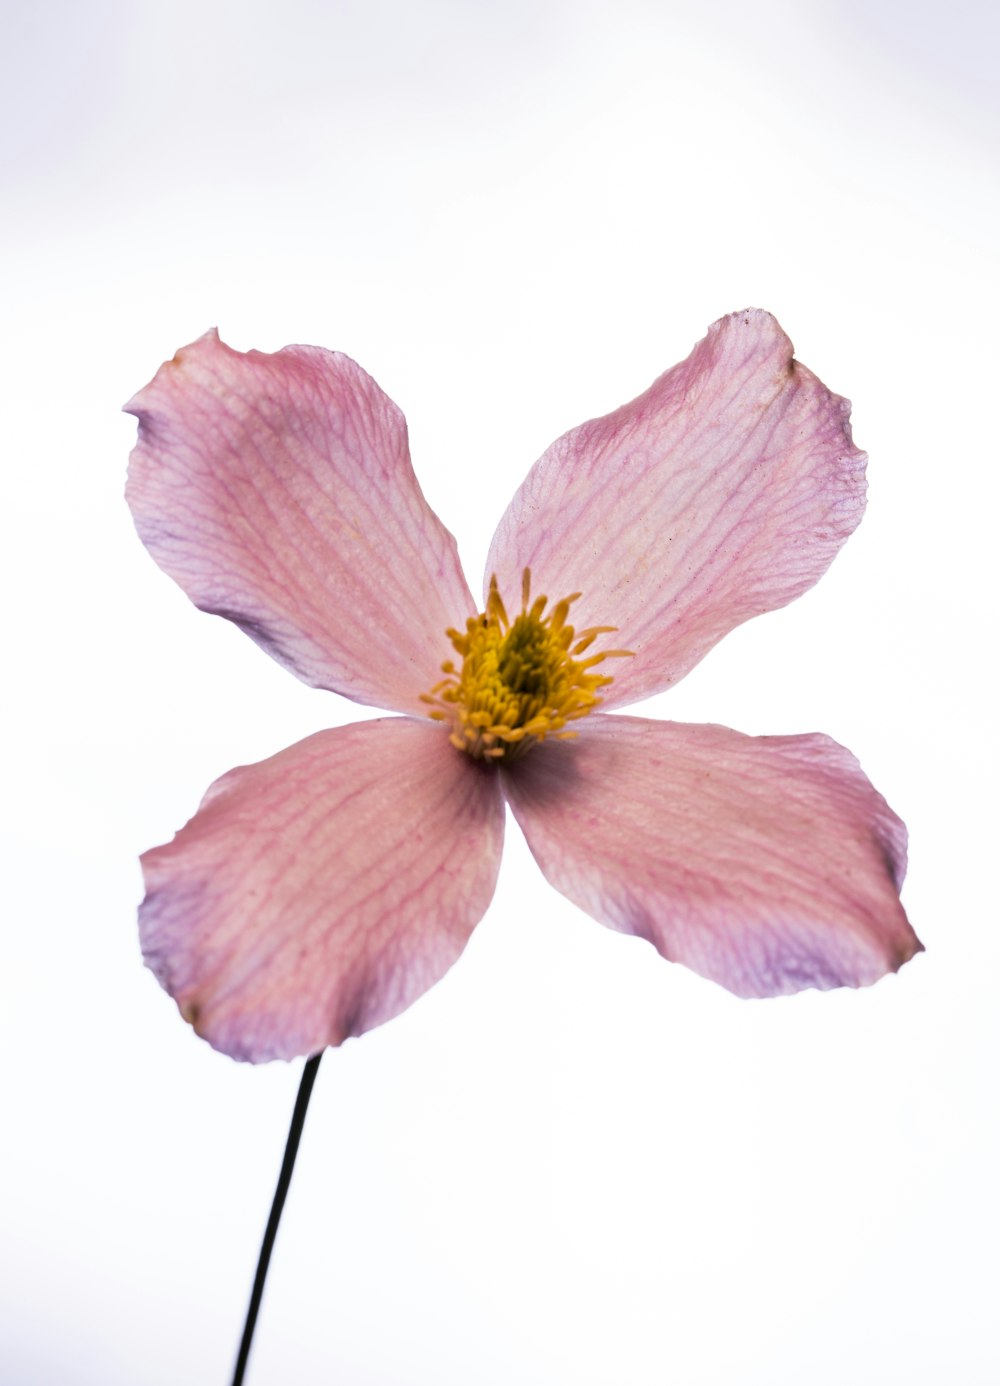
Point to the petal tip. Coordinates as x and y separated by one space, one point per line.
136 405
759 320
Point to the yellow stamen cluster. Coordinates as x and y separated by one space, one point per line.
520 680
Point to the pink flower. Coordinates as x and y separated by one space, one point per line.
319 893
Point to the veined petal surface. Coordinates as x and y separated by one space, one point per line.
320 892
277 491
767 864
722 492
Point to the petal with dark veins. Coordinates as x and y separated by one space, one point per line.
722 492
317 894
768 864
277 491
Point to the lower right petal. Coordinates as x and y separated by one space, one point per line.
768 864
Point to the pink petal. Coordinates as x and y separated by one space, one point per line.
278 492
319 893
767 864
722 492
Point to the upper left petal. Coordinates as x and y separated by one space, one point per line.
277 491
319 893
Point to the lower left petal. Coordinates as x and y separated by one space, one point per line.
320 892
768 864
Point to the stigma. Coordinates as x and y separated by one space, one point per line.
520 680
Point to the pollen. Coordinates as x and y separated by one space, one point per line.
519 680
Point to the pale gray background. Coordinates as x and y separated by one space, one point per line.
571 1162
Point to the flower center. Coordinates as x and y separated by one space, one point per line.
520 680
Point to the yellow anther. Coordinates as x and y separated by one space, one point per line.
520 680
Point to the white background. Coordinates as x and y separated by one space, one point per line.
570 1162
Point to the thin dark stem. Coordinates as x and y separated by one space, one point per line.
270 1232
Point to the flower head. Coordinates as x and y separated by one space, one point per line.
318 893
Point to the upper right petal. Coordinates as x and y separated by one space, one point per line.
277 490
724 491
